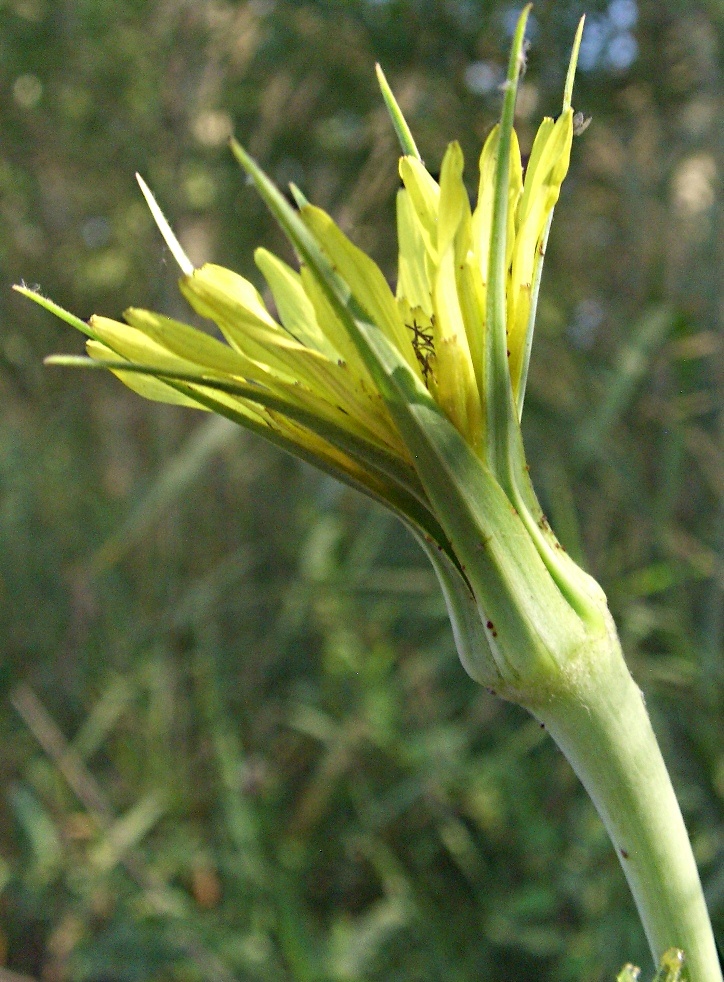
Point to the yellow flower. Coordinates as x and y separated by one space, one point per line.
415 396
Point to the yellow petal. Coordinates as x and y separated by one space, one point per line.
364 278
145 385
270 356
453 197
455 382
413 282
338 394
515 189
333 328
424 194
224 298
239 290
548 165
483 215
134 345
472 297
189 343
296 311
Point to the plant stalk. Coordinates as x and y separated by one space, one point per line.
600 723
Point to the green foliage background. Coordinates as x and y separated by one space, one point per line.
235 738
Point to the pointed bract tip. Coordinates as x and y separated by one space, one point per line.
187 267
35 295
404 134
300 199
570 76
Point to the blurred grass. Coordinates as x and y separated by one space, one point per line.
236 741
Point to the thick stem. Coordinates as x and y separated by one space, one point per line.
602 727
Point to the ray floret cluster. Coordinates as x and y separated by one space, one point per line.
413 396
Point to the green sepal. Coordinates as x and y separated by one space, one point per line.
531 627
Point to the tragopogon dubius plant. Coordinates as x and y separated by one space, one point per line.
415 398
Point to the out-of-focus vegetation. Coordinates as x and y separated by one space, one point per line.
236 740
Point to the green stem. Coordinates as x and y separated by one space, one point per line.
601 725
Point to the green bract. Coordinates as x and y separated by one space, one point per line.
412 396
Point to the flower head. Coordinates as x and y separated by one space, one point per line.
412 396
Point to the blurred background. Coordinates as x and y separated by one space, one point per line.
235 739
